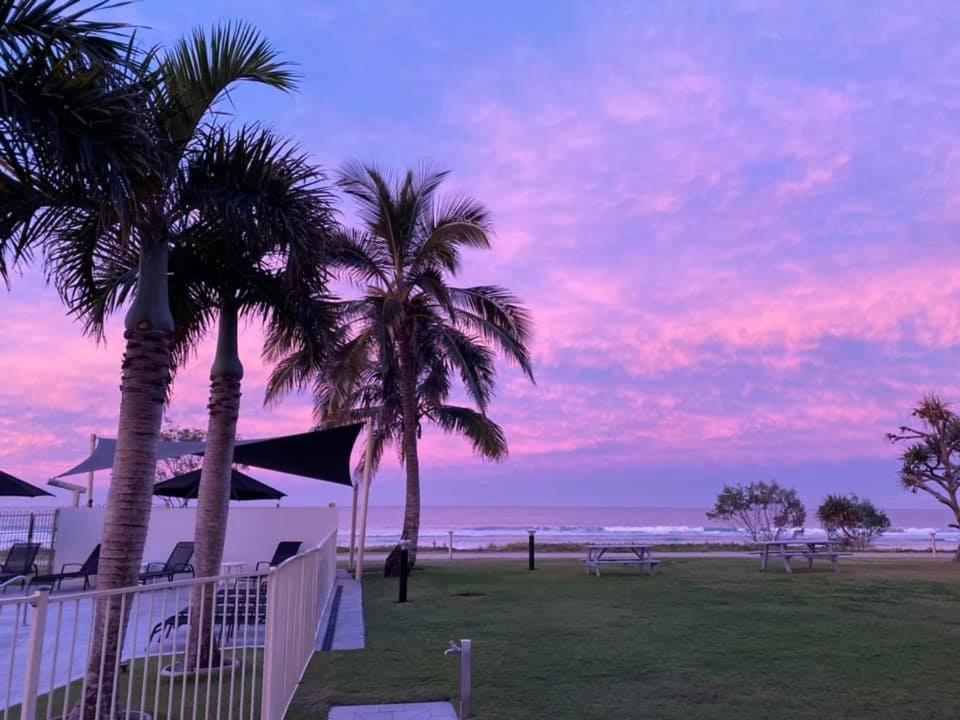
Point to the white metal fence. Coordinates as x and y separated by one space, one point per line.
297 596
264 625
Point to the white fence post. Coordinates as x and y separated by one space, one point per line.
31 680
270 650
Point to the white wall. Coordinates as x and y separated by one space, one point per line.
252 532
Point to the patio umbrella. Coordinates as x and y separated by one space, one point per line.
11 486
242 487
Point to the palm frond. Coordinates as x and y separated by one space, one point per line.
201 69
497 315
459 221
63 27
377 206
75 134
487 437
359 256
94 271
472 360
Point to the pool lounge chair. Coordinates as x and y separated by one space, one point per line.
21 562
233 608
84 570
178 563
286 549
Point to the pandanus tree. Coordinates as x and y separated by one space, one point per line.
930 463
249 236
412 336
185 85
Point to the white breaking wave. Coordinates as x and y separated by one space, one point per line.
660 529
493 529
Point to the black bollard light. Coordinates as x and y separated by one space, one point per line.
531 549
404 569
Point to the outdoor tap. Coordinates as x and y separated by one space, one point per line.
465 651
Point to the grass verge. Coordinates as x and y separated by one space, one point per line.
703 639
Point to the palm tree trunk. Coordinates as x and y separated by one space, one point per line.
411 461
145 377
213 498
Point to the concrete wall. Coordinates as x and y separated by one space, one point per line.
252 532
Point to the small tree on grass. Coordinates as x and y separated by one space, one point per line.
765 510
173 466
931 461
852 520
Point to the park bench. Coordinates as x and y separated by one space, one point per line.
808 550
622 553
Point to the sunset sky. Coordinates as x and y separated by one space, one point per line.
735 224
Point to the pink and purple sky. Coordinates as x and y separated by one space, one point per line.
735 224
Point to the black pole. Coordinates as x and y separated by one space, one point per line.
531 551
404 569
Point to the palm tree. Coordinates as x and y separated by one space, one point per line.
268 214
411 334
252 215
189 81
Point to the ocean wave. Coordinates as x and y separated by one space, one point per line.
652 529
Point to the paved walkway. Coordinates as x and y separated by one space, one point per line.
346 619
408 711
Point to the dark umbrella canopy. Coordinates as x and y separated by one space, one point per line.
11 486
242 487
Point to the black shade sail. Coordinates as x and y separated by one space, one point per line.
319 454
242 487
11 486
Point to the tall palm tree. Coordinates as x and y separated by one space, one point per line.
252 217
269 214
190 79
411 334
77 146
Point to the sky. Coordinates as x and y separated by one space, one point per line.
734 223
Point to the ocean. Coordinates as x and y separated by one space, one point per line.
481 527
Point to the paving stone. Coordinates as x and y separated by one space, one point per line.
400 711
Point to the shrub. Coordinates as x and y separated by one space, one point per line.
765 510
852 520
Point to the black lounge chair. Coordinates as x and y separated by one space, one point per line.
20 562
178 563
84 570
286 549
233 608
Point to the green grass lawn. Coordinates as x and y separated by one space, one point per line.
703 639
172 695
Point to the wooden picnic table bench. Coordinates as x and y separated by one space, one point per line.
620 553
809 550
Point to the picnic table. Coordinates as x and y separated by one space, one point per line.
618 553
810 550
